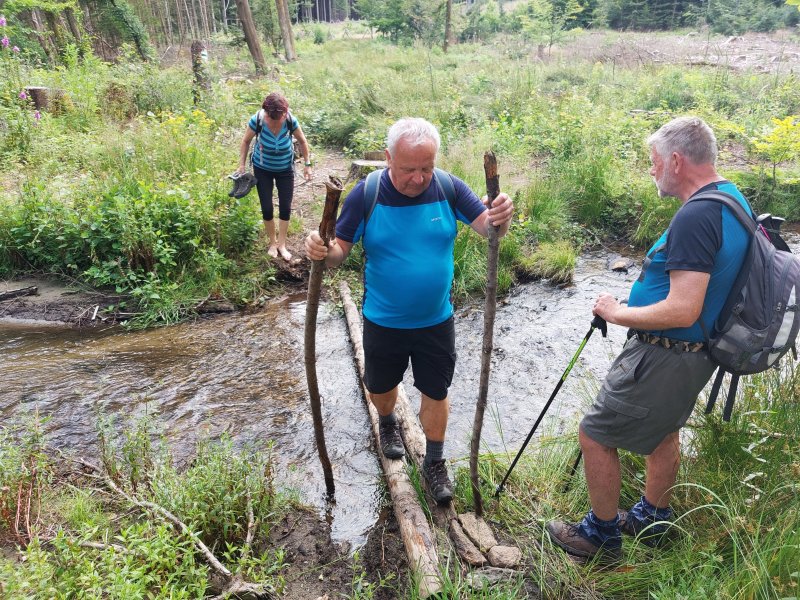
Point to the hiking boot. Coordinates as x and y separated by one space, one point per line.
568 537
438 481
391 442
649 534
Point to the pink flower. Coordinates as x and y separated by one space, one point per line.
23 96
15 49
37 115
5 42
2 21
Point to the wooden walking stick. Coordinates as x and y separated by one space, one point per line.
326 228
492 191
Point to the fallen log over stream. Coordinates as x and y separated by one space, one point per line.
414 529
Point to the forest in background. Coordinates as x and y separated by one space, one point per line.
46 28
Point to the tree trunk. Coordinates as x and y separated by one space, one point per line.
286 29
57 31
42 37
251 35
448 24
201 85
124 15
74 25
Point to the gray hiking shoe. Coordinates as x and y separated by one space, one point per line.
651 535
568 537
438 480
391 442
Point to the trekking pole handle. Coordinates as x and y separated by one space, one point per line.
600 323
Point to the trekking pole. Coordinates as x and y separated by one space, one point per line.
326 227
572 472
597 323
490 309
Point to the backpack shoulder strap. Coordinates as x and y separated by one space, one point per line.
290 123
259 121
726 199
445 183
371 187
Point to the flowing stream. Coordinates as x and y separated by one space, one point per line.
244 375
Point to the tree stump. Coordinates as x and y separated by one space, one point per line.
375 155
40 96
361 168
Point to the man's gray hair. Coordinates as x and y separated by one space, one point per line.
414 131
688 136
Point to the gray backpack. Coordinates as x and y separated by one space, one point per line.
759 321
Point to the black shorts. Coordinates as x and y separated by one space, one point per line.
432 351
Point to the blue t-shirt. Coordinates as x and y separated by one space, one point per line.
408 246
706 237
273 152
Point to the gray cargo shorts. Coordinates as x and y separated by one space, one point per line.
649 393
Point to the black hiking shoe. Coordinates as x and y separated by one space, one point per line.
439 484
242 185
569 538
391 442
651 535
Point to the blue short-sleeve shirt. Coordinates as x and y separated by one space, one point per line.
408 244
705 237
273 152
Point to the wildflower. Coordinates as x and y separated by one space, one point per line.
37 115
23 95
15 49
5 41
2 21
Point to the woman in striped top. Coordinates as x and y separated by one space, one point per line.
273 164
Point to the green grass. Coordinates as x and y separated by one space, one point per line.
551 260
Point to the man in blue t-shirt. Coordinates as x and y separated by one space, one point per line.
407 231
651 389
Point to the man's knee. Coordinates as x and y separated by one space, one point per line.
590 446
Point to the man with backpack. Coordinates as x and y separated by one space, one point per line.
651 389
405 217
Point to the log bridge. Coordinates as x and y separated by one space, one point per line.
469 535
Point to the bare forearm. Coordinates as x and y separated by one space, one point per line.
244 147
656 316
305 151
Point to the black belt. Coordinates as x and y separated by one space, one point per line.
668 343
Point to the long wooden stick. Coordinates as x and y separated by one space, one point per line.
492 191
333 192
415 531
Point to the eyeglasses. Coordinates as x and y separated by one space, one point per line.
275 114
